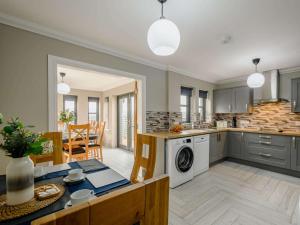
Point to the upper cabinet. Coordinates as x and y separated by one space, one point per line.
295 100
233 100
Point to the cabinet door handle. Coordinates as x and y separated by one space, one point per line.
246 107
265 155
264 136
265 142
294 142
229 107
294 104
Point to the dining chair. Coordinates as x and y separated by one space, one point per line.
144 158
144 203
97 144
77 146
56 153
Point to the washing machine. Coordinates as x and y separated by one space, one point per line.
180 160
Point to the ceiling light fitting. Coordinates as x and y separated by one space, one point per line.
256 79
62 87
163 35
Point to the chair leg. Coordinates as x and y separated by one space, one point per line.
101 154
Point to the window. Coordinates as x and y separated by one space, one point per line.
70 104
202 105
93 109
106 111
185 104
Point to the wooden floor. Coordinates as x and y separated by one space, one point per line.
228 194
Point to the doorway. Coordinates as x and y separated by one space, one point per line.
126 121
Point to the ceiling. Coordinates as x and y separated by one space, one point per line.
258 28
90 80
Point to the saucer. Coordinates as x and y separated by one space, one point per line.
72 181
69 203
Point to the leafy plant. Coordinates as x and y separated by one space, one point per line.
18 141
66 116
1 118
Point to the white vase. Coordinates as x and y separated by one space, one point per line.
19 180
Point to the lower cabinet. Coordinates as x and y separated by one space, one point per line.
270 150
235 144
217 146
295 154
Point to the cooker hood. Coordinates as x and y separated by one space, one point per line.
269 92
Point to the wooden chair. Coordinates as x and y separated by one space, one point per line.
98 143
140 161
57 154
144 203
77 147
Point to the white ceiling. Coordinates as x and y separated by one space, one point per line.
90 80
259 28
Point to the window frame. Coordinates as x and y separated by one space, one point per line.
187 92
93 99
202 95
71 98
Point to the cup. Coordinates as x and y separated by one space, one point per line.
81 196
75 174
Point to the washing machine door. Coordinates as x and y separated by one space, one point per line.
184 159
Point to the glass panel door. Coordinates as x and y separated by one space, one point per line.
126 121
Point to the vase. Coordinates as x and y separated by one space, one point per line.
19 181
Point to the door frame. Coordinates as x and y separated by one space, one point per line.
129 148
54 61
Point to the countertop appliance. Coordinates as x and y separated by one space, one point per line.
201 153
180 160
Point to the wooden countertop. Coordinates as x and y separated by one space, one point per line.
195 132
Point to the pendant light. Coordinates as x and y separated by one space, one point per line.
62 87
256 79
163 35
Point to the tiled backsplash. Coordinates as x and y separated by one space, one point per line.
161 121
268 116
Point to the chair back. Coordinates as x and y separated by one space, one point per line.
94 126
57 152
144 203
79 134
144 159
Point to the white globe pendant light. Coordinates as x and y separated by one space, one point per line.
62 87
256 80
163 35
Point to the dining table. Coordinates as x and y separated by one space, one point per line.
92 167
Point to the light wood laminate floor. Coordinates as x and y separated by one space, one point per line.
227 194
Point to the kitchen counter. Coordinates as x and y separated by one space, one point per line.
195 132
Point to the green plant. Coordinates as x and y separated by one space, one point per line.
18 141
66 116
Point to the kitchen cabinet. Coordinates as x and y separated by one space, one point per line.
295 100
223 101
217 146
270 150
235 144
233 100
295 153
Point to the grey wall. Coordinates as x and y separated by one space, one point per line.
24 69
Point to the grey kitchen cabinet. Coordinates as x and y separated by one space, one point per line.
295 100
223 100
273 150
233 100
235 144
243 99
295 154
217 146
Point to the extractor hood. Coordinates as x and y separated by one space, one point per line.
269 92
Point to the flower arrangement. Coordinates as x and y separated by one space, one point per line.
66 116
18 141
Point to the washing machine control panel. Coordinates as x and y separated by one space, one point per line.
187 140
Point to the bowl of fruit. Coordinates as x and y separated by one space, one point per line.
176 128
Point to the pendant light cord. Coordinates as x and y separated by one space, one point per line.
162 10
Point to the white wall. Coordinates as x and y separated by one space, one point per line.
175 81
82 103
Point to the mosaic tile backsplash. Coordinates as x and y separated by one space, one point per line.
267 116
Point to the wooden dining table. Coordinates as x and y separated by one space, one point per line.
57 178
